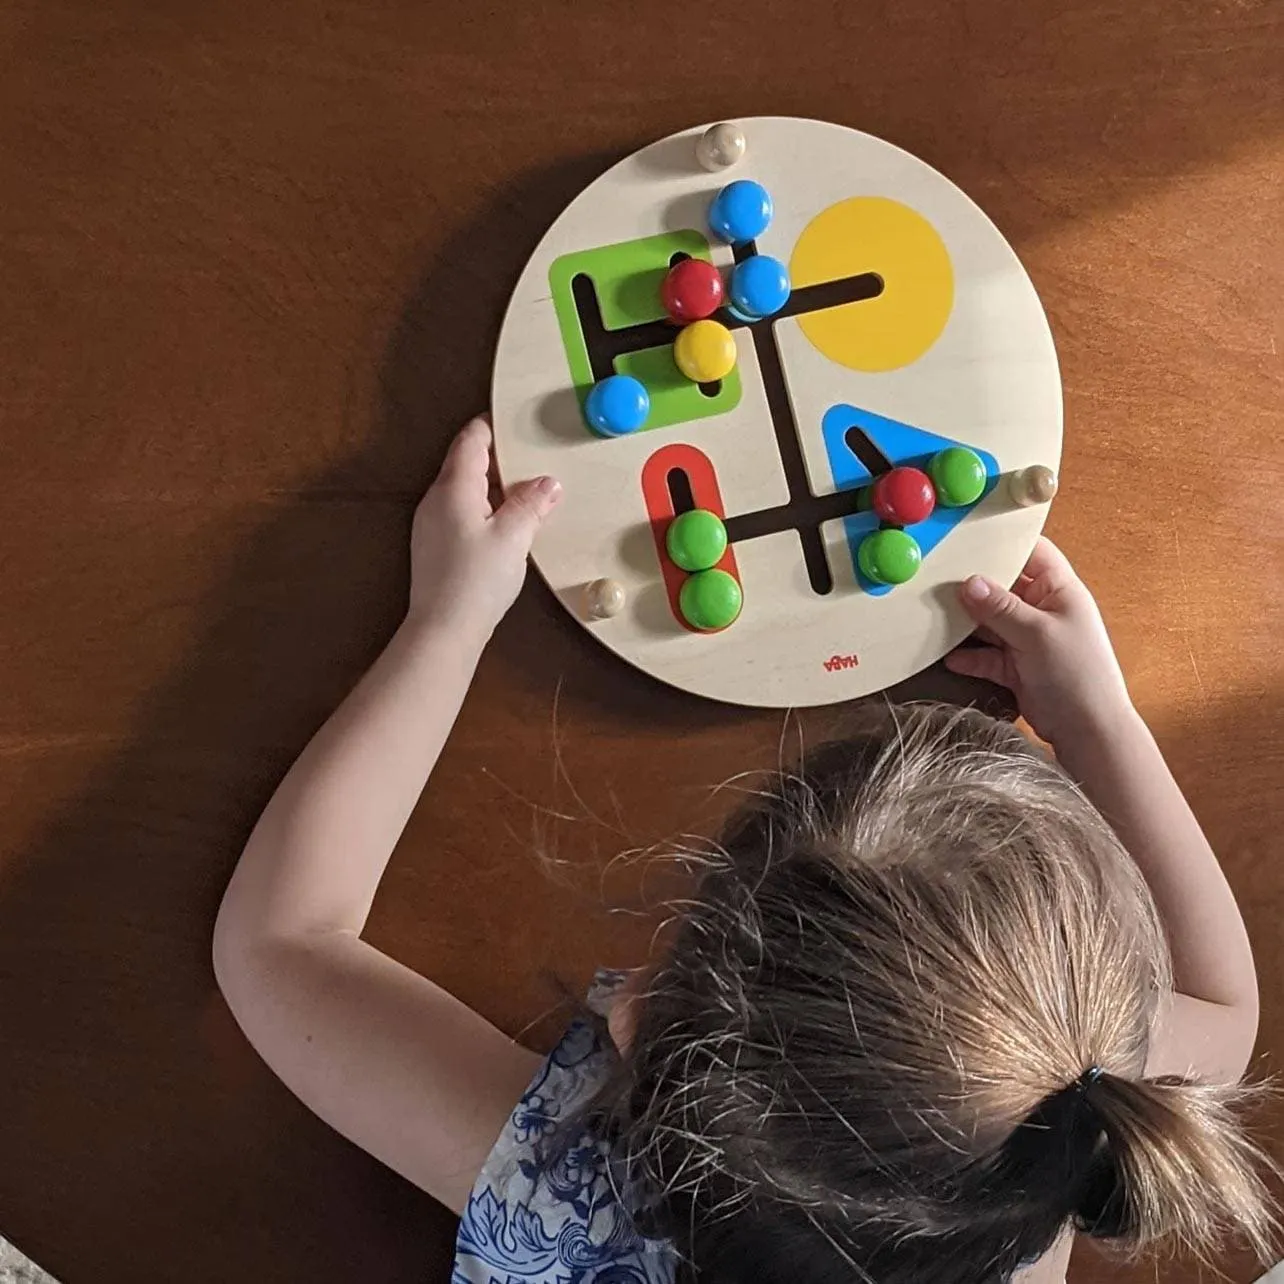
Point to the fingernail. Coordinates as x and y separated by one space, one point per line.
549 487
976 588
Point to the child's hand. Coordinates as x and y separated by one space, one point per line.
468 559
1047 643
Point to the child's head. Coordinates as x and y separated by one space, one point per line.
901 1030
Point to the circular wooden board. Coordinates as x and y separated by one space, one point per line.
912 325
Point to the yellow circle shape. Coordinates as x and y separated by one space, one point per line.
705 351
875 234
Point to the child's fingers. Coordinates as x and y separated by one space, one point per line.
1001 611
524 508
469 453
1049 563
984 662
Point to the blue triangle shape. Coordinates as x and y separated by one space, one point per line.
899 443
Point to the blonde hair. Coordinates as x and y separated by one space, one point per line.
901 1032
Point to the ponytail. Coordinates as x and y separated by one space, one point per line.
873 1049
1175 1164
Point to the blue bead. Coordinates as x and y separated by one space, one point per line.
759 287
741 211
617 406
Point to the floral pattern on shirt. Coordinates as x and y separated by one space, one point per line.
559 1222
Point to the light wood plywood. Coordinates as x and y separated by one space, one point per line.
988 379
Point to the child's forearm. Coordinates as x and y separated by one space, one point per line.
1123 772
316 856
387 1057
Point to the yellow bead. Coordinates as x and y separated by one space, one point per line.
705 351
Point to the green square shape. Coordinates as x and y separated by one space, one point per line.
627 279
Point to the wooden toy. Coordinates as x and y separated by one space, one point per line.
889 556
1034 485
696 540
705 351
710 600
720 146
692 290
911 340
617 405
903 496
740 212
959 476
759 287
604 599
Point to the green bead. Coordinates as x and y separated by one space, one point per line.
696 540
958 475
710 600
889 556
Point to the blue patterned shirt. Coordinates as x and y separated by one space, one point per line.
528 1222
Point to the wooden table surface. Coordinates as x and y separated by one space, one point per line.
252 265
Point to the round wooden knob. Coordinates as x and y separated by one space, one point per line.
1034 485
720 146
603 599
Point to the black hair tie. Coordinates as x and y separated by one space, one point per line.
1102 1211
1090 1076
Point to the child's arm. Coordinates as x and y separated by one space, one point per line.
1049 645
383 1055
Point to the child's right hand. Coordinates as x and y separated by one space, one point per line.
1046 642
467 555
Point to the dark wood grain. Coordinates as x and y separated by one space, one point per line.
252 264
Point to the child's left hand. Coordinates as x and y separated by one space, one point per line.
467 558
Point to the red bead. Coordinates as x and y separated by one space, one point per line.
691 290
904 496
